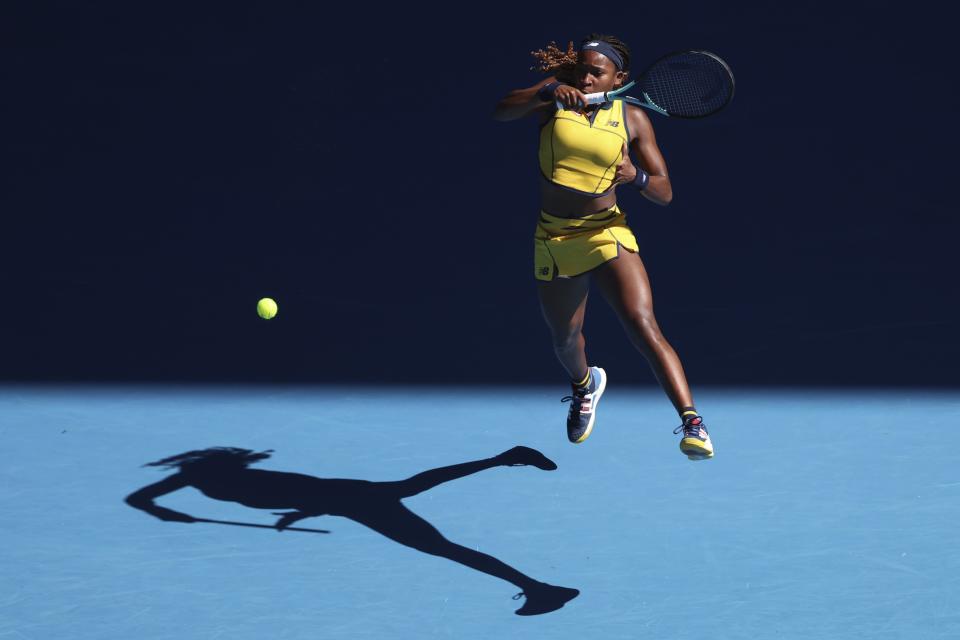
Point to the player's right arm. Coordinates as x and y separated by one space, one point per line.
521 102
143 499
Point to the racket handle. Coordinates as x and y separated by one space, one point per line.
592 98
596 98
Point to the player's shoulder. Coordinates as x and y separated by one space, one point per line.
637 118
635 113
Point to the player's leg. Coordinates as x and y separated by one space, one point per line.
624 284
398 523
563 302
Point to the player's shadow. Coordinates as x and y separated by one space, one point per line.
223 473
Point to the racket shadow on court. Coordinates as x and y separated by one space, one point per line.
223 473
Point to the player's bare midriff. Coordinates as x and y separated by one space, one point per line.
567 204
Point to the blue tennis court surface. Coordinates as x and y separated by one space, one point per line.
824 515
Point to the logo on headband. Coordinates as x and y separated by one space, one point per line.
592 44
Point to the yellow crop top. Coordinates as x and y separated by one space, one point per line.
581 152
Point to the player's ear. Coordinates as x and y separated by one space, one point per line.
621 78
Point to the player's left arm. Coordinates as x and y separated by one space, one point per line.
643 144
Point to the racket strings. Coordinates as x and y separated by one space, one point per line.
689 84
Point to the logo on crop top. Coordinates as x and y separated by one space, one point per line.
614 123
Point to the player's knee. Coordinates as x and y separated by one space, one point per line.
644 326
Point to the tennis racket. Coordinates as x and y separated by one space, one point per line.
684 84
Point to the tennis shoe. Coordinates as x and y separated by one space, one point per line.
583 406
695 442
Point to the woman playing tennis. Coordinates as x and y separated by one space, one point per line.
582 235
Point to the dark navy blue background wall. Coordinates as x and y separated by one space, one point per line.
165 168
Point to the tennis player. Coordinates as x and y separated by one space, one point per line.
582 235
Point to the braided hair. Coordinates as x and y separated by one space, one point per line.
555 61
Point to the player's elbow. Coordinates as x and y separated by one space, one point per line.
665 193
662 197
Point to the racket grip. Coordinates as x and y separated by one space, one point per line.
596 98
592 98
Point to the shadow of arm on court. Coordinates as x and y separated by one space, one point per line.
143 499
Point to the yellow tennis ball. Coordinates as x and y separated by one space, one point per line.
266 308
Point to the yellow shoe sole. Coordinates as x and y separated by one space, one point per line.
694 449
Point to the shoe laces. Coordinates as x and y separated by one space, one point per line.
579 393
691 427
576 399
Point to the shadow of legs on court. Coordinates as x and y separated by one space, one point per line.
223 473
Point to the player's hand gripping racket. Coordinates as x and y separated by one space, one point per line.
685 84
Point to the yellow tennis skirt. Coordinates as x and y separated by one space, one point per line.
565 247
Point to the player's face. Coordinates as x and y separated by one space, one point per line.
596 72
